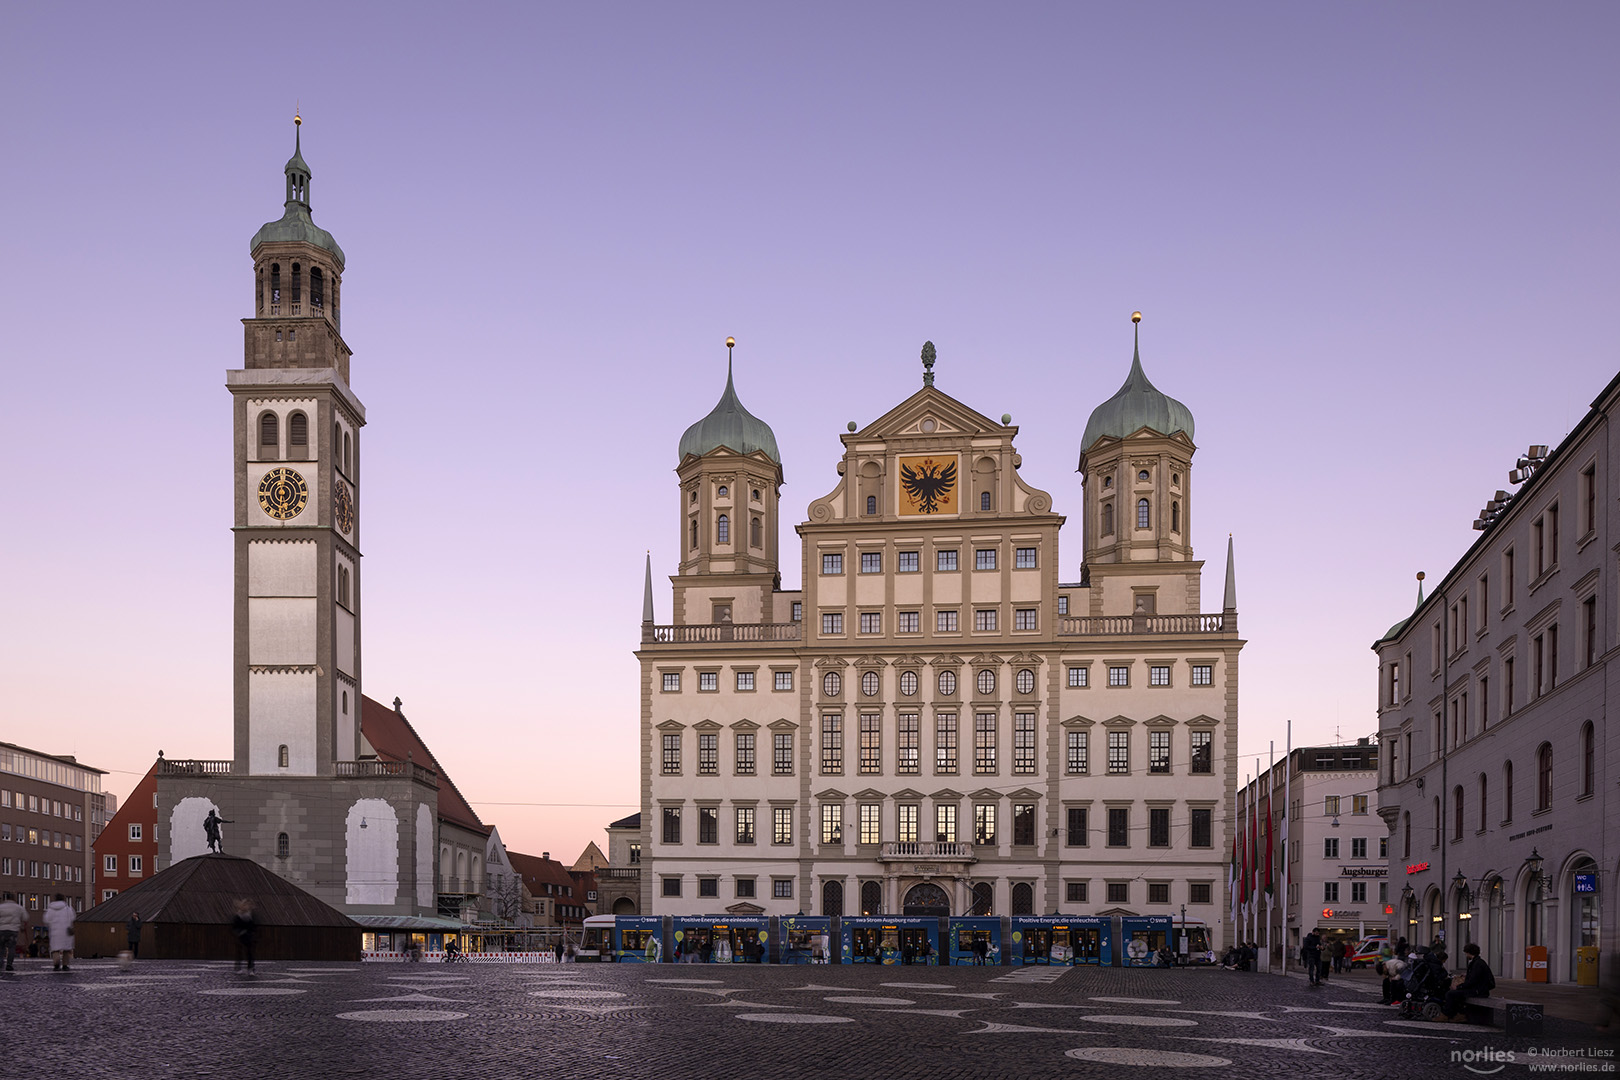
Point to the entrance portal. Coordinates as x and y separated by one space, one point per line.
927 899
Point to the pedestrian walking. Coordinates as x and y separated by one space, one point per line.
981 949
1338 957
558 949
12 920
1310 955
133 935
246 928
59 920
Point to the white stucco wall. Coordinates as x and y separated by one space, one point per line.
281 568
186 836
372 853
424 855
281 710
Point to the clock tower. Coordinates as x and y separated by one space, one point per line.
297 422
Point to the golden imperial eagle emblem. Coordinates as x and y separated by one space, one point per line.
927 485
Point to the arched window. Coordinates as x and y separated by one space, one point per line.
345 703
1457 813
1406 835
1023 899
984 898
281 756
756 534
756 495
694 532
1544 776
337 443
984 500
1175 517
722 530
1108 519
461 870
871 898
282 845
297 285
832 898
1108 482
871 504
723 493
275 287
259 290
269 434
832 684
317 290
1588 760
445 865
346 469
1142 516
298 435
1483 785
1507 791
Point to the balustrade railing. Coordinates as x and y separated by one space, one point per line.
193 767
927 849
705 633
1102 625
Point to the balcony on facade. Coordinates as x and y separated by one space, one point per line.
709 633
937 851
618 873
1118 625
342 770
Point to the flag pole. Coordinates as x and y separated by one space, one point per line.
1271 764
1288 808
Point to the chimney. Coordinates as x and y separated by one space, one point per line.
545 855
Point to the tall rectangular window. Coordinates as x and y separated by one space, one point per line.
1330 892
1024 559
708 755
1063 604
1119 826
708 680
1023 743
1079 759
832 743
1203 760
1158 751
984 559
984 823
1025 619
745 824
945 742
871 562
745 754
906 823
906 562
871 743
1358 804
832 823
1589 617
984 742
910 622
945 822
1330 847
1119 752
832 622
781 825
945 622
1358 847
1076 834
984 619
672 824
782 754
1203 831
672 755
871 622
832 564
908 744
1159 826
1507 686
945 560
1024 824
708 824
1588 520
871 823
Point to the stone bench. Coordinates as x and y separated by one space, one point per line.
1514 1016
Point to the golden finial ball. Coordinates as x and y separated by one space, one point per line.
1420 575
1136 316
730 341
297 120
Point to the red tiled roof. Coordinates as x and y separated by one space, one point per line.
393 737
537 873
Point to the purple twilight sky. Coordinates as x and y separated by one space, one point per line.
1374 245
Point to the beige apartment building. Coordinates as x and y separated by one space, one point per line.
938 722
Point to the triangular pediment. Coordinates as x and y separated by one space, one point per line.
1024 793
744 725
1024 658
706 726
908 661
950 418
1119 721
984 659
1160 721
832 662
783 724
1078 722
1203 721
871 662
744 908
1111 912
672 725
946 793
831 795
985 794
907 793
949 660
869 794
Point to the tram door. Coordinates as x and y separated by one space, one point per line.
967 941
913 940
1037 945
1087 944
867 942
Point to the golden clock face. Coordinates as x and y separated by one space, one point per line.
283 493
343 507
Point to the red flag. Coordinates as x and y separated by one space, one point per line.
1269 887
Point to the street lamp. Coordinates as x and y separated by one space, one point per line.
1532 866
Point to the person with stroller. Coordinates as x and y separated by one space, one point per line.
1427 983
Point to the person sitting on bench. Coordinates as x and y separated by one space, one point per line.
1477 981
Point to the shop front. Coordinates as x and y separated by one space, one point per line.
968 935
1061 939
889 940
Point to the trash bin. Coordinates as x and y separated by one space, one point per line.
1586 965
1535 963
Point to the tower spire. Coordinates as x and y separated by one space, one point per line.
1229 603
646 594
1420 590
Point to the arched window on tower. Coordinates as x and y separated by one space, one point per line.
756 535
297 436
281 756
337 444
317 288
275 288
283 846
258 290
723 493
346 464
345 703
694 532
1108 519
1175 517
297 287
871 505
269 435
984 500
722 530
1142 515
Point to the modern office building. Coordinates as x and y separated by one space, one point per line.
51 811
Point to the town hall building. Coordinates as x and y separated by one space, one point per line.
938 722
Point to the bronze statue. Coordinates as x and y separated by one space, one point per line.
211 825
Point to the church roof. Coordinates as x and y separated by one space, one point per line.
1136 405
205 888
732 426
393 737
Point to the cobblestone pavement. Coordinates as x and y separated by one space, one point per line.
670 1022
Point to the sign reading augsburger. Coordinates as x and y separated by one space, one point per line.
1363 871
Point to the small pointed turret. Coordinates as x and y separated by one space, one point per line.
1229 603
295 224
646 594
